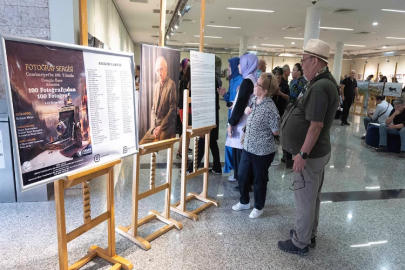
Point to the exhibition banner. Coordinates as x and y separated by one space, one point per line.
202 89
158 92
71 107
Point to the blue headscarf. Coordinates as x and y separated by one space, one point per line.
234 63
248 65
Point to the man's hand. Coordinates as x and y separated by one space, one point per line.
299 163
343 98
248 111
157 131
229 131
396 113
221 91
391 127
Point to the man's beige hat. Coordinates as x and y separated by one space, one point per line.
317 48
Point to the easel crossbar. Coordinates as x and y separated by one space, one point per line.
152 191
87 227
196 173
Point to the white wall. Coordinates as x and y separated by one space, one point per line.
105 23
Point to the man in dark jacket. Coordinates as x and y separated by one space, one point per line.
305 133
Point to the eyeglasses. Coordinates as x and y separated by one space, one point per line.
303 60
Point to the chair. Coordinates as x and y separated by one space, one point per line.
373 136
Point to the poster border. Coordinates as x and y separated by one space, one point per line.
16 154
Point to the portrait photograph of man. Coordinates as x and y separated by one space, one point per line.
158 93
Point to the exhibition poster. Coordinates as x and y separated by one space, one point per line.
392 89
363 87
202 89
72 108
376 88
160 69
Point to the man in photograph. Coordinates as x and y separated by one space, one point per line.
164 106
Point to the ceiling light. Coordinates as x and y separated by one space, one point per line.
375 23
393 10
294 38
207 36
336 28
167 37
351 45
347 59
248 9
254 46
222 26
376 187
395 37
176 26
384 47
292 43
272 45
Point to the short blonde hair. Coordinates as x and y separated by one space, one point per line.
269 83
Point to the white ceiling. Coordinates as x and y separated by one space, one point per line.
139 18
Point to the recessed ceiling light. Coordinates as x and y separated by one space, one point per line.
221 26
294 38
254 46
384 47
207 36
167 37
347 59
336 28
352 45
248 9
176 26
292 43
375 23
393 10
395 38
272 45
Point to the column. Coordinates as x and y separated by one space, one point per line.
64 21
243 45
337 62
312 24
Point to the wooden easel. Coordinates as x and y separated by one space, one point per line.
390 99
89 223
357 108
131 232
372 104
188 133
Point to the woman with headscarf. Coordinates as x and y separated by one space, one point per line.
229 97
247 67
216 168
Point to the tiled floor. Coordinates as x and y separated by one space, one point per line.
353 234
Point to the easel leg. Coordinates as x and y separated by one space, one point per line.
61 224
135 191
204 193
166 213
111 211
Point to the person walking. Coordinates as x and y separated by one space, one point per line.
348 89
258 145
229 97
305 133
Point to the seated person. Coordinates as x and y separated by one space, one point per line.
381 113
395 124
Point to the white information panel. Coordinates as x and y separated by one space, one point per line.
202 89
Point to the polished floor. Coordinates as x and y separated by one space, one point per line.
361 222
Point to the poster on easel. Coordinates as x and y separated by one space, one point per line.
203 89
158 93
392 89
363 87
376 88
71 108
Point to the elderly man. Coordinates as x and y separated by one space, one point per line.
164 107
381 113
395 124
261 68
348 89
305 132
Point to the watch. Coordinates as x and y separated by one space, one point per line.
304 155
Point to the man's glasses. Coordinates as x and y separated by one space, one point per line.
303 60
